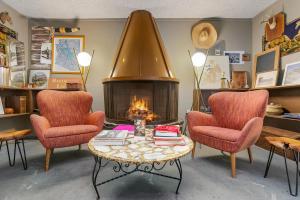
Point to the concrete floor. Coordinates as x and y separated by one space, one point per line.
207 177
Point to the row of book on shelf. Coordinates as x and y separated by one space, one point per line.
162 136
16 104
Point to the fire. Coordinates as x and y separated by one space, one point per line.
139 108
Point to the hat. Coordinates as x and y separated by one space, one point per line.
204 35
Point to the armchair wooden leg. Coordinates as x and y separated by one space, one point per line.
79 147
194 149
47 160
250 155
233 164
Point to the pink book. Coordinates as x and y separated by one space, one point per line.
123 127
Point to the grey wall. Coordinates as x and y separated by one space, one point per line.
104 36
291 8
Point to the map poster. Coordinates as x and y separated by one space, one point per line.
63 57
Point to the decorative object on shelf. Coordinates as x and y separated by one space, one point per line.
66 30
204 35
1 107
217 52
246 57
84 61
224 81
139 126
288 42
18 78
265 61
9 111
239 79
291 74
274 109
61 83
235 57
4 17
39 78
46 53
274 27
63 58
266 79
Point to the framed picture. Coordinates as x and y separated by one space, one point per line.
2 75
13 61
45 57
1 107
291 74
235 57
63 58
265 61
266 79
239 79
39 78
17 78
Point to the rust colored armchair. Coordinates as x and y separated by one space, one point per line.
65 120
234 125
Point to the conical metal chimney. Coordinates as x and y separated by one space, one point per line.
141 54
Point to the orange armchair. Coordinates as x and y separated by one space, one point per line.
65 120
234 125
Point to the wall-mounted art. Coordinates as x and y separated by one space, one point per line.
216 67
235 57
63 58
291 74
46 53
39 78
288 40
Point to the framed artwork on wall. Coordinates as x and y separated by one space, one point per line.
63 58
17 78
235 57
266 79
291 74
39 78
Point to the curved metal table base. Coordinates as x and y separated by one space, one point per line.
126 169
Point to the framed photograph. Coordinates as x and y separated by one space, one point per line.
291 74
46 52
17 78
13 61
63 58
39 78
235 57
266 79
265 61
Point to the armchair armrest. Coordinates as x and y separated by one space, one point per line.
96 118
195 118
251 132
40 125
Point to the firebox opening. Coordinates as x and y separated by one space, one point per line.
139 109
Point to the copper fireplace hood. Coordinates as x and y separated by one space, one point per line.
141 70
141 53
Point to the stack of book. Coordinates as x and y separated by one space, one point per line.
111 137
125 127
168 136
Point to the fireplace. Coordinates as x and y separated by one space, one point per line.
141 72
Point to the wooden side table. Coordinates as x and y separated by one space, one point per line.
18 137
285 143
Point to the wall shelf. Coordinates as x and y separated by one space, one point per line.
13 115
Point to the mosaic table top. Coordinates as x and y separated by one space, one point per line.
140 151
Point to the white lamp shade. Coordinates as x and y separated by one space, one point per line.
84 59
198 59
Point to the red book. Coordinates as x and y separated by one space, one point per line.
173 128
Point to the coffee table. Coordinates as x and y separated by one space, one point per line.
139 155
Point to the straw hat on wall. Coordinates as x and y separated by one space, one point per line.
204 35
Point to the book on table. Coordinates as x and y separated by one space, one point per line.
167 131
168 136
125 127
111 137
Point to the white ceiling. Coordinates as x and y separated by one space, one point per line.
95 9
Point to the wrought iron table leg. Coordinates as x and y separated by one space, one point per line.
272 149
23 159
297 158
179 167
11 163
96 170
287 171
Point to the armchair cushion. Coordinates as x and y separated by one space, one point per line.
64 131
218 133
